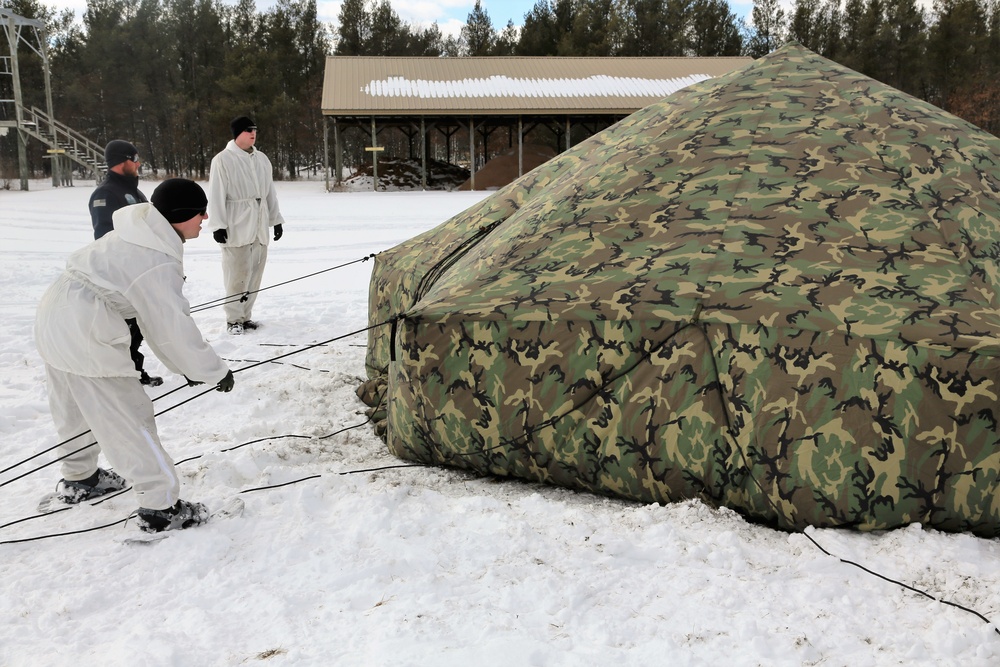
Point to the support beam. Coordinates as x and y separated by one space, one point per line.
44 54
423 154
451 129
520 146
326 153
338 156
374 157
13 36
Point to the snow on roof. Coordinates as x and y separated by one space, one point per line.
385 86
504 86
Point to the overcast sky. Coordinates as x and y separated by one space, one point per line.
450 15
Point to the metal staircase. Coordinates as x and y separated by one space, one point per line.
62 138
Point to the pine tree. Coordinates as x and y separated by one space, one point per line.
639 27
956 49
805 25
354 28
590 30
478 34
850 52
905 42
389 35
714 29
768 28
506 41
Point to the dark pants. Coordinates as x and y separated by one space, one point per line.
133 348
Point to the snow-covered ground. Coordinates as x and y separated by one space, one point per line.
407 566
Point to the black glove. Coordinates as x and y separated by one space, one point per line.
226 383
278 231
221 235
192 383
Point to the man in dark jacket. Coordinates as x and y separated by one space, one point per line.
120 188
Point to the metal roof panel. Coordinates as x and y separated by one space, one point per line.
361 85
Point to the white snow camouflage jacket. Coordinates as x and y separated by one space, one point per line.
241 197
134 271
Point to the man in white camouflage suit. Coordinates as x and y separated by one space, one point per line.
242 208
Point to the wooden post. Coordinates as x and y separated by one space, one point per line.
374 152
520 147
54 155
338 155
423 155
22 137
44 53
326 153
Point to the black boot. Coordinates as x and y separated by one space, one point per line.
100 483
183 514
150 380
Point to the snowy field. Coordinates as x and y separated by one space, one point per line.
368 565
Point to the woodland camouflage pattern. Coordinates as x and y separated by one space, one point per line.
776 290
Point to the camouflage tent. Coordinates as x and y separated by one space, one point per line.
776 290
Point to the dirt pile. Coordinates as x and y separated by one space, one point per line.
502 169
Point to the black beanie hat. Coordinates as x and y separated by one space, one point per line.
118 151
241 124
178 199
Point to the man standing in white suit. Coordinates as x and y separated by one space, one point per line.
242 208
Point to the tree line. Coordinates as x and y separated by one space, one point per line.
170 74
949 55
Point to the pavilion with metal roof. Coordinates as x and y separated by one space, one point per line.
430 99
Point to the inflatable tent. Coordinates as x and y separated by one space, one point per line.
776 290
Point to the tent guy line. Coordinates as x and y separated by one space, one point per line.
393 322
243 296
172 407
451 456
198 456
132 514
804 533
221 451
204 306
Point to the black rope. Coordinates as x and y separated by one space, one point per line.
243 296
256 488
75 451
188 400
198 456
445 457
68 440
392 467
37 516
278 363
321 344
249 442
71 532
183 386
777 511
278 486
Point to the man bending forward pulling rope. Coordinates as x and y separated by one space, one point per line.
136 272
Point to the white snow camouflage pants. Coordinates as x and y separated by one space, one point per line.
242 270
119 415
